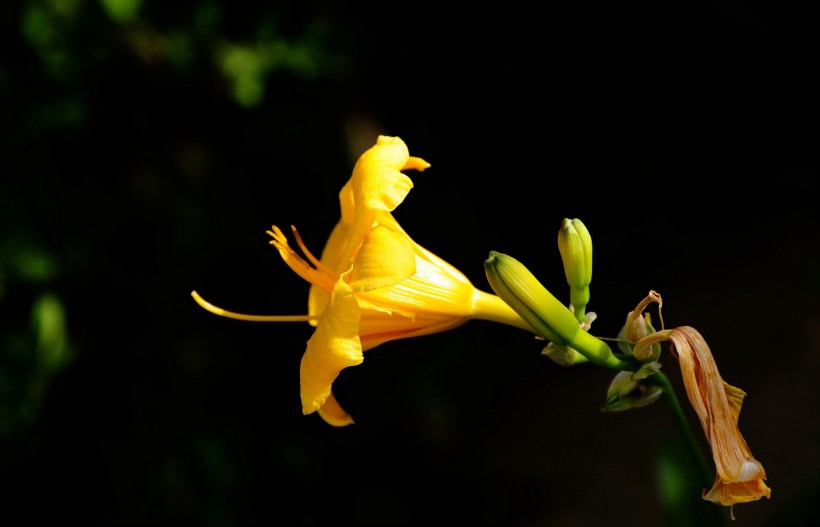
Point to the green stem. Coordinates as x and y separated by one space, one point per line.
580 313
705 474
598 352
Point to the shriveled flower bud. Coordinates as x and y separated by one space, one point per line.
637 327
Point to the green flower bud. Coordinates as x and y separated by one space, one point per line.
575 246
517 286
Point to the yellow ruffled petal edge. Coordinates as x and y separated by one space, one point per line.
335 345
378 183
377 186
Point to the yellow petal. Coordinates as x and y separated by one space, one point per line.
335 345
416 163
438 287
385 258
381 188
416 328
378 183
347 203
378 186
333 414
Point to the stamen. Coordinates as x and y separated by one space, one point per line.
660 313
325 280
315 261
253 318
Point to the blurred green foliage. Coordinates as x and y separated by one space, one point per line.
57 31
30 358
71 41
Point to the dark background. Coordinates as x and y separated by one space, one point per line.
145 153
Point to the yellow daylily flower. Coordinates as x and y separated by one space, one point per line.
373 283
740 477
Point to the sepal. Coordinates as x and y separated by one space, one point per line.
626 391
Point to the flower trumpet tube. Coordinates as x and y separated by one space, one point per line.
514 283
740 477
373 283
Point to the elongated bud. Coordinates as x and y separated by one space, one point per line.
517 286
575 246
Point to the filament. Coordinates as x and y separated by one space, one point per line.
316 263
253 318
